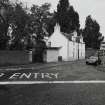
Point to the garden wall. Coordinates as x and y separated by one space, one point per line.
14 57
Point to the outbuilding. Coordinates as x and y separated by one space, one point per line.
51 54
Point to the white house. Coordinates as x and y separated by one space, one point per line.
71 46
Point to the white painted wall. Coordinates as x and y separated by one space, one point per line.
70 57
81 51
71 51
52 55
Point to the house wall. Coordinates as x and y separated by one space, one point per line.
81 51
76 51
69 50
73 50
58 40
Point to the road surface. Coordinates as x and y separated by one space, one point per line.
56 94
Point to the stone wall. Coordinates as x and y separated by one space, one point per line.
14 57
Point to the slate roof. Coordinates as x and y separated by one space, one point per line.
68 36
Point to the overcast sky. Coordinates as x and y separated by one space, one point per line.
95 8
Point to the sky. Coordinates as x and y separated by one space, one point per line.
95 8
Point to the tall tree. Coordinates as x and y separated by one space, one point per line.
73 20
39 26
19 20
67 17
40 17
4 8
91 33
61 16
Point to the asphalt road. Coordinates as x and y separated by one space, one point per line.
57 94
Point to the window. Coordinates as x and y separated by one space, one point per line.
49 44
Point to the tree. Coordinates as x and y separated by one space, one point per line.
40 17
61 16
91 33
67 17
19 20
73 20
51 23
23 24
14 16
4 8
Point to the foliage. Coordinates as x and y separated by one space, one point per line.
19 21
91 33
24 25
67 17
39 49
4 7
11 15
40 17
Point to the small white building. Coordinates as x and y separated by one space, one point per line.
51 54
71 46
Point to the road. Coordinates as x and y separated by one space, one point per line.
57 94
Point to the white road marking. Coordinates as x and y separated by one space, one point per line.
51 82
